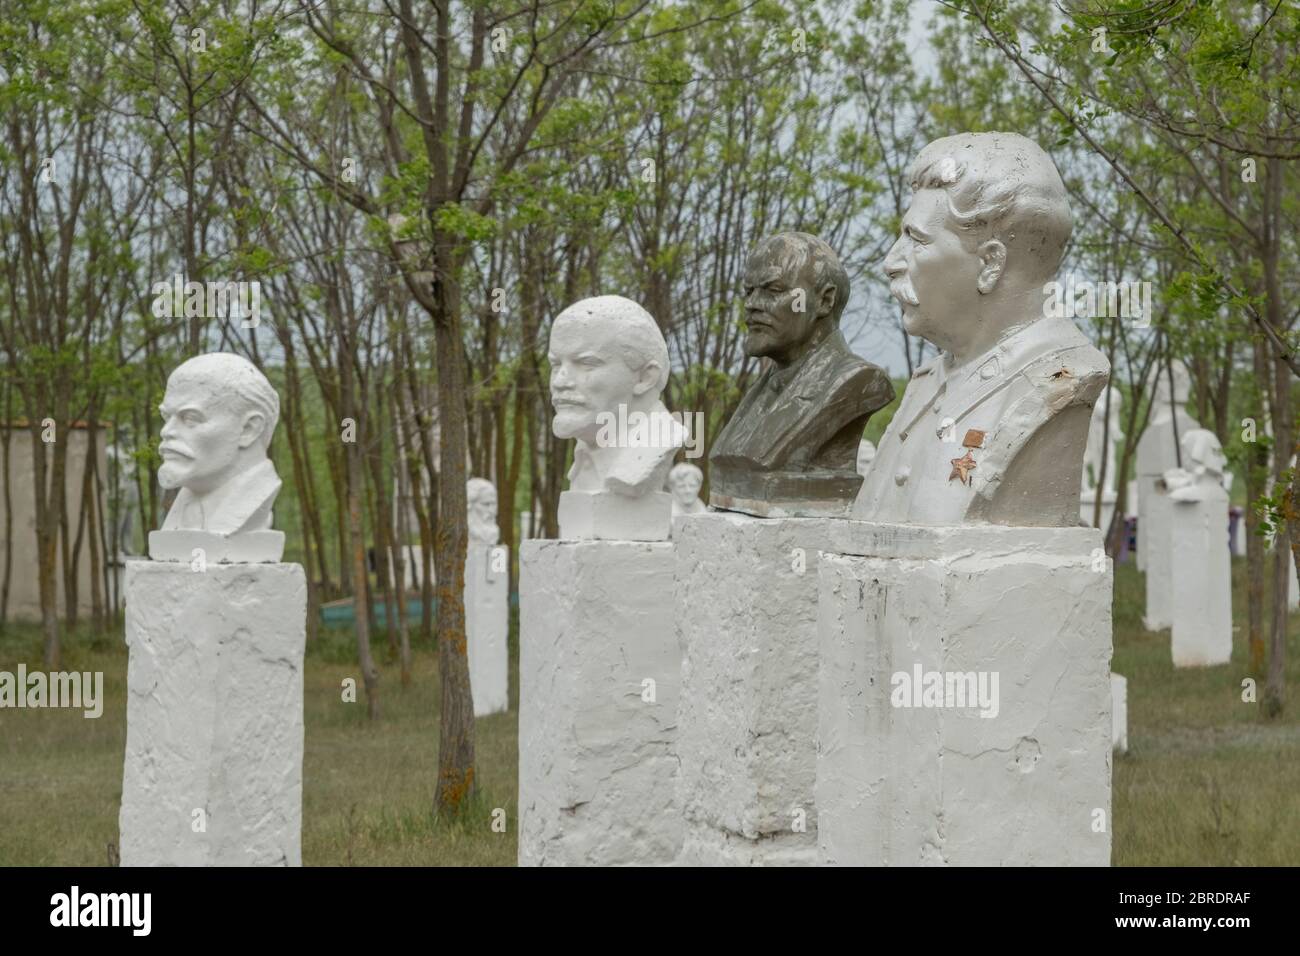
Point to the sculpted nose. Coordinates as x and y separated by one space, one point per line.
895 265
167 429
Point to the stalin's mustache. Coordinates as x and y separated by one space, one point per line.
903 290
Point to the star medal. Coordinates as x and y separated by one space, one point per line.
962 467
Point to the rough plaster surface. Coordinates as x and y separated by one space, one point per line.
487 626
1200 581
597 761
940 786
214 715
1119 713
746 599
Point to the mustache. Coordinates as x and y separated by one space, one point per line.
902 289
175 448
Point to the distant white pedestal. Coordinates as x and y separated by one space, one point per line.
1119 713
1154 528
1237 538
214 723
1088 501
1145 487
905 782
1201 581
599 672
1293 590
487 626
746 601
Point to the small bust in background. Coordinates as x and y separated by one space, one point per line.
481 498
866 455
685 481
219 413
1202 474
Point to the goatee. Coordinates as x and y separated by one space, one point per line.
169 476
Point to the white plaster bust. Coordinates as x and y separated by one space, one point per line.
685 481
1202 475
1156 449
1168 397
609 365
993 429
866 455
219 413
481 497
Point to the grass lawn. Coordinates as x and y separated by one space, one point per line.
1206 780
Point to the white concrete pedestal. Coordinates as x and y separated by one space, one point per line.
487 626
746 601
1200 584
1293 586
1119 713
599 672
1154 529
933 781
214 737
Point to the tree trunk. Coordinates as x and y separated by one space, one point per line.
1257 457
456 718
356 540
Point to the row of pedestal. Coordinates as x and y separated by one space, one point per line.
816 691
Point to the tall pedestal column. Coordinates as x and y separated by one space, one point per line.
599 670
964 700
487 626
1200 581
746 599
214 738
1154 526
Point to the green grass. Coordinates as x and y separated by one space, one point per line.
1206 781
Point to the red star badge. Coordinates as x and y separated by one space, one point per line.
962 467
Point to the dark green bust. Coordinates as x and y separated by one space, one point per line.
791 446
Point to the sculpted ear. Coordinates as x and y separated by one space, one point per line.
993 259
647 378
826 300
254 423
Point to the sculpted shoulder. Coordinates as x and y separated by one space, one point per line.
853 378
1075 374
